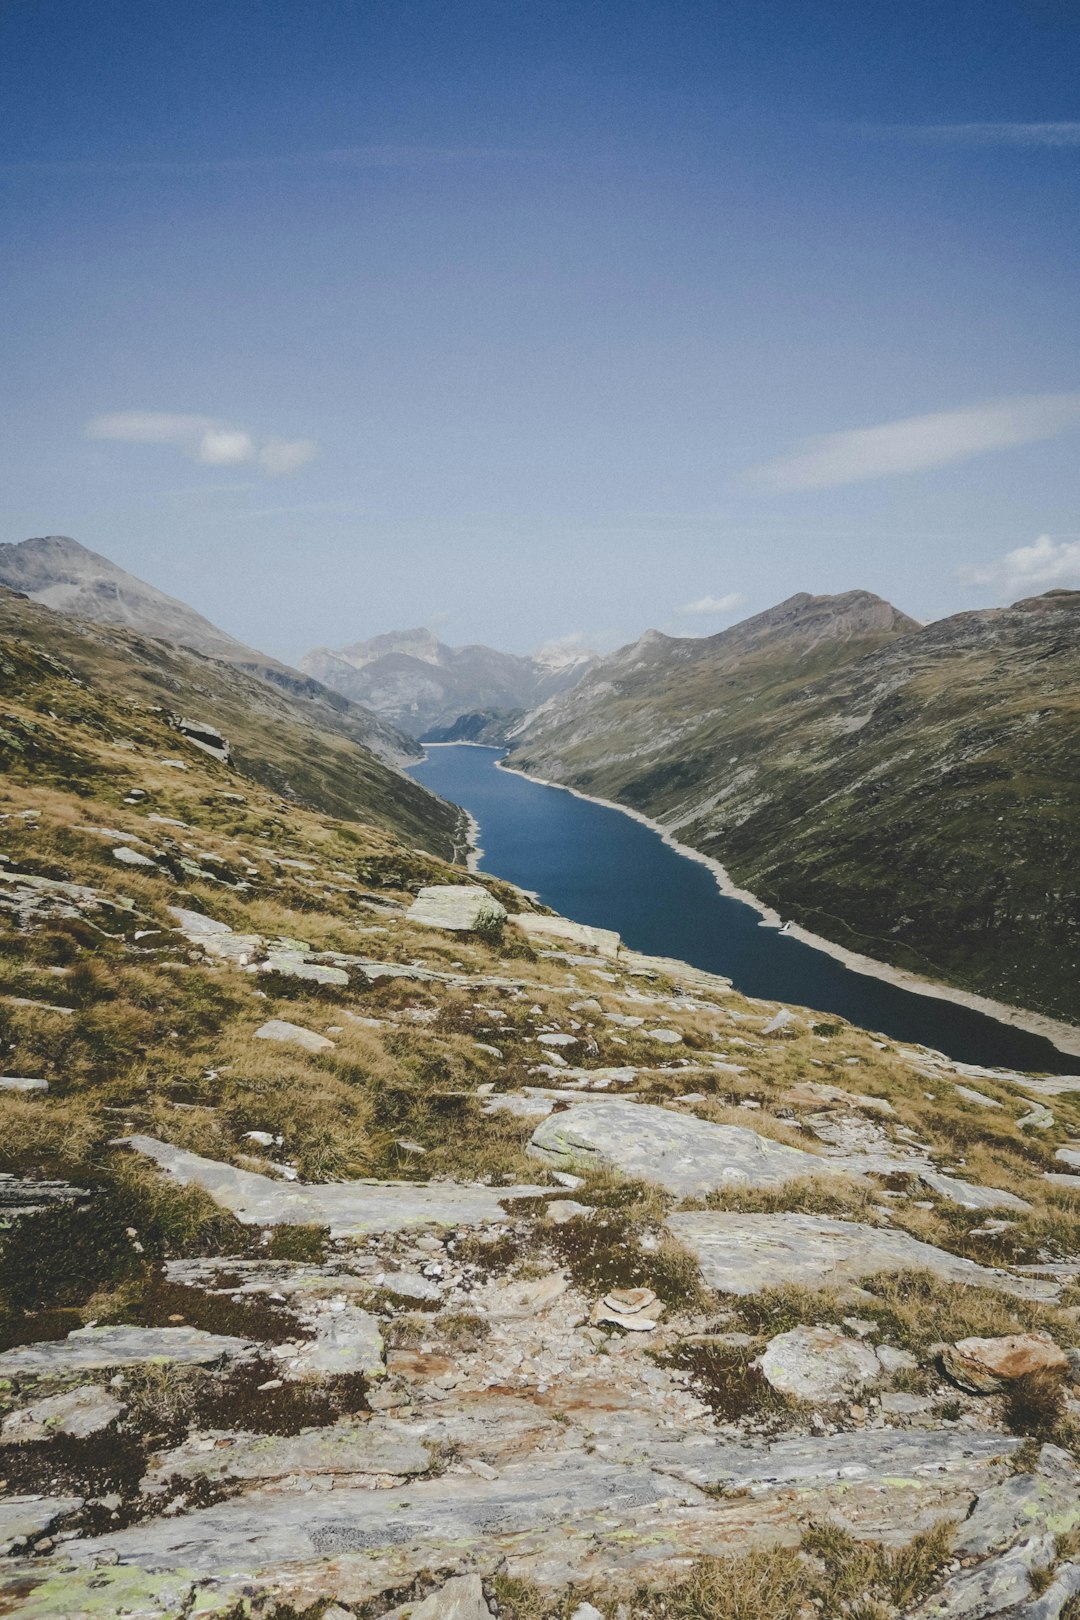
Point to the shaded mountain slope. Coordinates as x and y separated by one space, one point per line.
66 576
911 793
135 690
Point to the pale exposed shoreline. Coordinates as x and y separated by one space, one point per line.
1062 1036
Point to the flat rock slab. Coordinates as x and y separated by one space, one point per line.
970 1196
279 1029
742 1254
604 941
348 1208
685 1156
95 1348
460 907
19 1082
76 1414
24 1518
809 1462
265 1530
380 1446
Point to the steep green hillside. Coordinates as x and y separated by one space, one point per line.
97 683
911 794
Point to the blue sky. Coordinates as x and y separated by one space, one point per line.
537 320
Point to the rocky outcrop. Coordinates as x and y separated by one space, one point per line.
741 1254
347 1208
685 1156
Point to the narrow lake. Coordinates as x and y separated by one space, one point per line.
599 866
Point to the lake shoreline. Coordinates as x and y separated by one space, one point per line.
1063 1037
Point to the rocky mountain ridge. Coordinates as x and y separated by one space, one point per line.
63 575
416 682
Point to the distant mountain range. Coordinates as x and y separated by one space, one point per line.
418 683
911 792
62 574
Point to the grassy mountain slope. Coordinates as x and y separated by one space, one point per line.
62 574
912 793
103 704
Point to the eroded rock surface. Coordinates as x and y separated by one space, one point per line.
741 1254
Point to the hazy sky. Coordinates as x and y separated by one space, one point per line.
530 320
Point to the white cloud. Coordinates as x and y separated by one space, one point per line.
1029 570
204 439
226 447
280 456
1025 135
916 442
713 605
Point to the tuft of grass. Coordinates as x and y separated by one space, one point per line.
1035 1405
912 1309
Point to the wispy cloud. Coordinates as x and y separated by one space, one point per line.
712 606
205 439
918 442
1044 564
1062 134
346 157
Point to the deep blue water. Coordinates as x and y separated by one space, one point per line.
600 866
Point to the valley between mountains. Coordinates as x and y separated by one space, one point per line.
377 1243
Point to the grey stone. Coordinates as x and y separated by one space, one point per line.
604 941
265 1531
1049 1604
353 1446
132 857
460 907
24 1518
292 965
871 1456
969 1094
782 1020
348 1208
15 1082
742 1254
996 1585
78 1413
94 1348
894 1360
1039 1118
347 1340
818 1364
461 1598
684 1155
279 1029
970 1196
1070 1155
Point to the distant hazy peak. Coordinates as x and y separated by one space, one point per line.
421 643
417 682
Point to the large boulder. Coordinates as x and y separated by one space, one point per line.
987 1365
684 1155
460 907
818 1364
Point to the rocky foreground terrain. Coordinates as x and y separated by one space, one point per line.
376 1244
